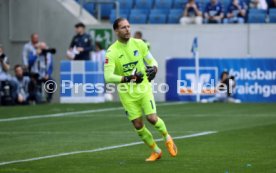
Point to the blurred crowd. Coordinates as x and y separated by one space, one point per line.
26 85
214 12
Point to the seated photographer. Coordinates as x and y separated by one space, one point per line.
225 90
41 72
7 86
22 83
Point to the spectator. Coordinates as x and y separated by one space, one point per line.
28 49
213 12
258 4
225 90
236 12
41 72
81 44
99 54
192 13
7 86
22 83
272 4
4 65
139 35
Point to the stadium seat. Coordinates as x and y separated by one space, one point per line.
272 11
126 4
257 11
174 15
105 10
176 12
179 4
159 11
225 4
123 13
138 19
112 17
139 11
163 4
89 6
173 19
272 15
256 16
157 18
143 4
202 4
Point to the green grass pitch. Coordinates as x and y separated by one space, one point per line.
245 141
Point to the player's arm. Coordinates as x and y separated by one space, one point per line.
110 77
109 68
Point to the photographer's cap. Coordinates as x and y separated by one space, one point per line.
80 25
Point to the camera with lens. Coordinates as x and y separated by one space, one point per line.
231 83
49 50
2 56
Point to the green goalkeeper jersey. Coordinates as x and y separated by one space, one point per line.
121 60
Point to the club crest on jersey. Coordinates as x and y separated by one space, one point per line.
136 53
129 66
106 61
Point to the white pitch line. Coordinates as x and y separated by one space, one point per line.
101 149
74 113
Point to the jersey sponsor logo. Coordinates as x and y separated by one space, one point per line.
136 53
106 61
130 66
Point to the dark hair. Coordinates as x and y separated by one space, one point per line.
17 65
224 73
80 25
99 45
117 21
33 34
139 33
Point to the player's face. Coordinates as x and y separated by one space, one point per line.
79 30
19 72
137 35
35 39
224 77
123 31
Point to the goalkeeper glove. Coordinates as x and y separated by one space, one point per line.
135 77
151 72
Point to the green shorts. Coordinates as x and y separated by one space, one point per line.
136 108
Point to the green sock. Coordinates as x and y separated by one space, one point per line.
146 136
161 127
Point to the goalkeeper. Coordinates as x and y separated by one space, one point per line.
125 64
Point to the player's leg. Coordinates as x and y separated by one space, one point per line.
158 124
134 114
147 137
149 108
